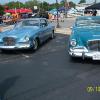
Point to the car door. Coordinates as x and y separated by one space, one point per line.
43 33
47 29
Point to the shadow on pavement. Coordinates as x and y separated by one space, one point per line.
85 61
6 85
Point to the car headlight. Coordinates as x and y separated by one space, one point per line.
73 43
26 38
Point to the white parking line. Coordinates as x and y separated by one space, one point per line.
26 56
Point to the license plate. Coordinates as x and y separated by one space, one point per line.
96 56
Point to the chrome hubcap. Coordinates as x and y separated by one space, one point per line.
35 44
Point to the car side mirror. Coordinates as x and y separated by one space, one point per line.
71 27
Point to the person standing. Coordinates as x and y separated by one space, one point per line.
62 17
94 13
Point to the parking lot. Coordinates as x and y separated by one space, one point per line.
49 73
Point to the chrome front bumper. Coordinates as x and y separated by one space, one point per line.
21 46
84 53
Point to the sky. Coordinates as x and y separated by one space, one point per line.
50 1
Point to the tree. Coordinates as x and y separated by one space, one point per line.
52 6
1 10
44 6
82 1
62 3
31 4
71 4
12 5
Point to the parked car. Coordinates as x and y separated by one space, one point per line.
85 38
28 33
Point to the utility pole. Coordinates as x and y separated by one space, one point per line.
95 1
57 14
66 8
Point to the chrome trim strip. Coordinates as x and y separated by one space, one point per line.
16 47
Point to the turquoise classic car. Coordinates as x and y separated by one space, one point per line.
85 38
27 33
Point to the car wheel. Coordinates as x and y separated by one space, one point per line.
35 44
53 35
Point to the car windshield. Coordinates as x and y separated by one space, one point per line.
25 23
88 22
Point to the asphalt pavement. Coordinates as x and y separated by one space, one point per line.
48 74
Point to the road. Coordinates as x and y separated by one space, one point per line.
68 22
48 74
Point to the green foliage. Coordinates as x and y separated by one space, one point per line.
13 5
71 4
31 4
1 10
42 6
62 3
82 1
52 6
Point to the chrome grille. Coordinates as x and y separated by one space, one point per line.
9 41
94 45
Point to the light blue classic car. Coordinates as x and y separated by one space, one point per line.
85 38
27 33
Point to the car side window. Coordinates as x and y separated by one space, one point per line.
43 23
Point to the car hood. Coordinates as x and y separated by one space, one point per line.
87 33
20 32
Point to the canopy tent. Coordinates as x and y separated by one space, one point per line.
22 10
63 9
10 11
53 11
95 6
